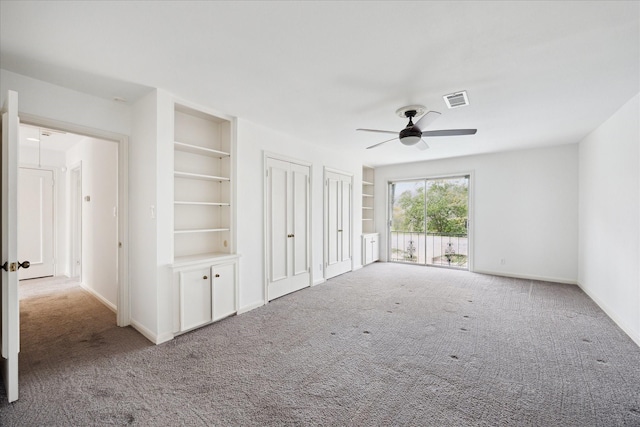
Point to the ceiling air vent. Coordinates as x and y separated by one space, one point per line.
458 99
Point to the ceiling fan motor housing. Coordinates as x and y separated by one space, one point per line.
410 135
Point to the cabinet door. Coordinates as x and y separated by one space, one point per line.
195 298
366 250
375 248
224 290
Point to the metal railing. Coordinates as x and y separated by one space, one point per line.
442 249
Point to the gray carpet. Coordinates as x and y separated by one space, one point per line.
387 345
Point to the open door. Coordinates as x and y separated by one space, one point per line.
10 264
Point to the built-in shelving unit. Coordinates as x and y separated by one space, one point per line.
368 225
205 265
202 175
369 236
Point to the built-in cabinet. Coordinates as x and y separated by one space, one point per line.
204 269
370 249
204 292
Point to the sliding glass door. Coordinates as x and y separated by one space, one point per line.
429 222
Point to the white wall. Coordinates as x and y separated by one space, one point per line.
609 224
143 187
99 159
524 209
46 100
253 141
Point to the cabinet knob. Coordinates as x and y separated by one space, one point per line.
205 277
290 235
217 275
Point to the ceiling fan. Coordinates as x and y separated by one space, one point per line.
412 134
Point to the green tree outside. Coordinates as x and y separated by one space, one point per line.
447 209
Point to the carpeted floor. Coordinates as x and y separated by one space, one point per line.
386 345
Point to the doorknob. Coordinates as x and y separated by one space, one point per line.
290 235
14 266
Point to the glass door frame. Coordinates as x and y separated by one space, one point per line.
470 215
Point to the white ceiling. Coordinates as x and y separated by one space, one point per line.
537 73
47 139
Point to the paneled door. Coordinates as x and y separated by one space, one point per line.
338 220
287 227
9 261
35 231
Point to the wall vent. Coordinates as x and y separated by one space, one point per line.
455 100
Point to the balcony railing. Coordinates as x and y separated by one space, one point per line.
443 249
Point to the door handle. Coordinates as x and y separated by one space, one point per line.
290 235
217 275
339 231
14 266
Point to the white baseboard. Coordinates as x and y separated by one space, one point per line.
527 276
357 267
612 315
156 339
100 298
319 281
250 307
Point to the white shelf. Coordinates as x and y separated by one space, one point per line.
187 260
367 183
367 195
195 149
367 208
201 230
181 202
367 219
199 176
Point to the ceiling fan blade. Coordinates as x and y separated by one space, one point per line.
422 145
393 132
449 132
383 142
428 118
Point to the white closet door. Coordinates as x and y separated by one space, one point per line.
288 231
339 213
35 229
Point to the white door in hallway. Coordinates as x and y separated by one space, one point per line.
338 220
9 260
35 230
288 231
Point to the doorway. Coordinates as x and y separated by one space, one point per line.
88 199
430 222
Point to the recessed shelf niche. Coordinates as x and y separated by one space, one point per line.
202 185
